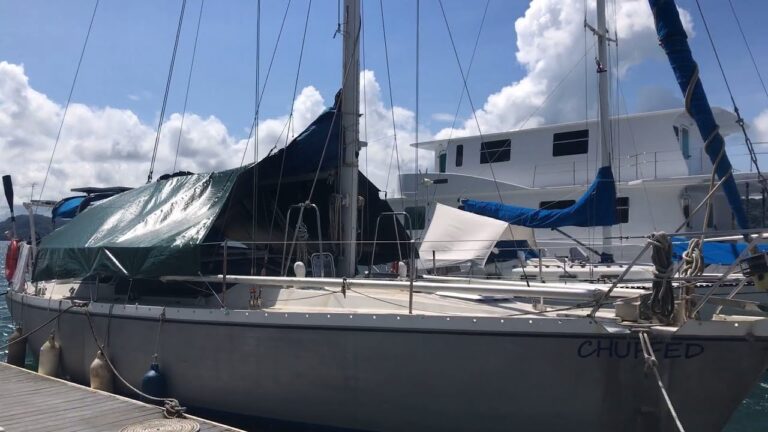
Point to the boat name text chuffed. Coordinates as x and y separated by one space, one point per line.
613 348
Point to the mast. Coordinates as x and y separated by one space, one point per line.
350 122
602 80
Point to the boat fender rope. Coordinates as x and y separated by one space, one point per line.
651 364
2 347
171 407
344 287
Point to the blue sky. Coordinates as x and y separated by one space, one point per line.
131 44
127 59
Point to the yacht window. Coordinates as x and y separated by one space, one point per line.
442 160
556 205
622 209
459 155
495 151
418 216
685 145
570 143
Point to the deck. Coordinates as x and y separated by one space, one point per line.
32 402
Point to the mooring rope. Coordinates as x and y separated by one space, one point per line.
26 335
653 364
171 407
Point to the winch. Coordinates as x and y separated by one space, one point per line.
756 267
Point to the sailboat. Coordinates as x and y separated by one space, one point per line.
166 274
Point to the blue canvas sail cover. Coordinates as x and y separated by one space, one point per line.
597 207
674 40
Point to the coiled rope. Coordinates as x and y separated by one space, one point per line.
661 303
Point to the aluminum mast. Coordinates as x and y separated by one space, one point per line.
602 79
350 126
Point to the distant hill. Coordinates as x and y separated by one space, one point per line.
43 226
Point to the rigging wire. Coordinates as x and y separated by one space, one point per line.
365 94
255 189
189 82
416 146
477 122
366 204
290 120
255 126
739 120
167 89
461 95
395 152
69 98
335 116
749 50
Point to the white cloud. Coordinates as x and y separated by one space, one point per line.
107 146
442 117
382 166
550 42
655 98
761 126
104 146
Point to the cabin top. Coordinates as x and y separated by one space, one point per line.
725 119
660 144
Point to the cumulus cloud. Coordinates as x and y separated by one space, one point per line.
549 43
761 127
107 146
655 98
382 166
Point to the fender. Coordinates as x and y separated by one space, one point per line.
11 259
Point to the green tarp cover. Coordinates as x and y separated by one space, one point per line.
146 232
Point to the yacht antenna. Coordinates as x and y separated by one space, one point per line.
350 123
604 111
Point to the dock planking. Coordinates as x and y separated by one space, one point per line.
33 402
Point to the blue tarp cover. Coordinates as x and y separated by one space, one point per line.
724 253
597 207
67 208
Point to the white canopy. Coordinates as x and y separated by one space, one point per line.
457 237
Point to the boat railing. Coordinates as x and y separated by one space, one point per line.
407 218
599 293
285 262
648 165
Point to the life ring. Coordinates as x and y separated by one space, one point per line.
11 259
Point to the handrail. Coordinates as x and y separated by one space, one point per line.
397 236
283 265
573 291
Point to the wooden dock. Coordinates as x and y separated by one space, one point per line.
33 402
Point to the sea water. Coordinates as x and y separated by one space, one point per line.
752 415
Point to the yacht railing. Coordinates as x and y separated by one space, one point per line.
630 167
598 295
